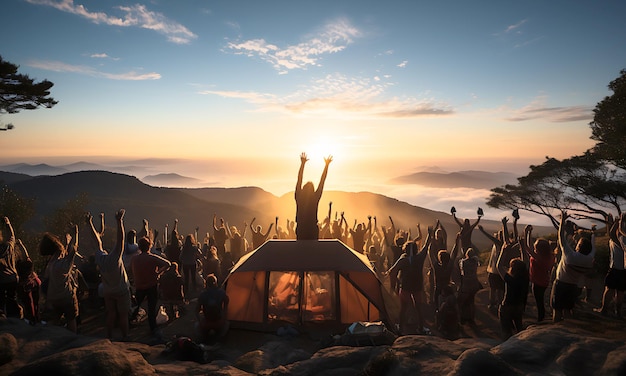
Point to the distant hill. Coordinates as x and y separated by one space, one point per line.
468 179
34 170
108 192
171 180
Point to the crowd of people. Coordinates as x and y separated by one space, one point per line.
420 271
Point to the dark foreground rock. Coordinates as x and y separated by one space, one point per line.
590 347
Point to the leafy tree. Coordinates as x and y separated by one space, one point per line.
587 187
592 185
608 127
73 211
19 92
18 208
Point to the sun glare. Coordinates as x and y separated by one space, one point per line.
319 150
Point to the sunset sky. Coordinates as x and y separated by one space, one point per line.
386 87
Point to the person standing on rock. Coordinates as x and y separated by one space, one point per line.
8 271
307 202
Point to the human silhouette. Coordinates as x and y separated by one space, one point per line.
307 201
258 237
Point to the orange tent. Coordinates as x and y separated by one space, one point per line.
305 283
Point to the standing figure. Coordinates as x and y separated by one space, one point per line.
8 271
541 264
307 201
146 268
258 237
115 284
410 268
574 263
28 286
61 295
615 280
515 294
467 229
189 257
470 285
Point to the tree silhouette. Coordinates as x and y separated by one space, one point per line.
590 186
608 127
19 92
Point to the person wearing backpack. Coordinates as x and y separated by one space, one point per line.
211 310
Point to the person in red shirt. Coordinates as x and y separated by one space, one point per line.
542 261
146 269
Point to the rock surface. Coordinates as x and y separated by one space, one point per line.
593 346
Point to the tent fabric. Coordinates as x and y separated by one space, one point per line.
304 281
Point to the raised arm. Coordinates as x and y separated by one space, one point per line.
9 231
320 186
564 245
24 252
614 231
456 219
72 246
215 229
419 233
500 265
526 245
269 228
493 239
120 242
303 160
95 235
251 223
505 231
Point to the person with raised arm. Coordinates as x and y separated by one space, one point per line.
409 268
542 261
220 234
307 201
442 265
8 271
115 284
467 229
258 237
574 263
29 284
496 283
515 296
146 268
61 295
615 279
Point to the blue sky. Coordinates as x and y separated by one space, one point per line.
396 85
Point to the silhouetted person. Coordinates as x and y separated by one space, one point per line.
61 295
258 237
115 284
8 271
541 264
466 229
307 201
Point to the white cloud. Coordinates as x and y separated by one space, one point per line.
338 95
333 38
514 27
57 66
539 110
403 64
135 15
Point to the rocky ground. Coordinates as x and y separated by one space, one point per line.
588 344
